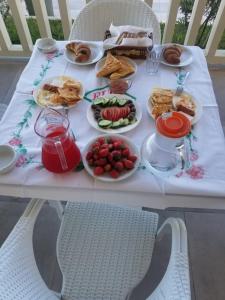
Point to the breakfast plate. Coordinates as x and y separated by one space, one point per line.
106 169
59 92
101 63
111 114
197 106
96 54
186 57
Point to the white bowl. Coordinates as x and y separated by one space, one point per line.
8 158
46 45
106 177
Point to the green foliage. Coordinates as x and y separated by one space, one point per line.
55 25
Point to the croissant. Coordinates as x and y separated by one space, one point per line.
172 54
81 51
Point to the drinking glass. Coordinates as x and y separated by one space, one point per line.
153 61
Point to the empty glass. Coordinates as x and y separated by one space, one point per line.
153 61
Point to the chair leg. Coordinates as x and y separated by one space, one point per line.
57 205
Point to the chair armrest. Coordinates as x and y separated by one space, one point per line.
175 283
19 275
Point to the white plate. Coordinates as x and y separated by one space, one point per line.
198 110
96 54
101 62
106 177
94 123
58 81
185 59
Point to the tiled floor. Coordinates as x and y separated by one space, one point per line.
206 229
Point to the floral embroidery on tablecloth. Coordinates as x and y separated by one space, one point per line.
24 158
193 170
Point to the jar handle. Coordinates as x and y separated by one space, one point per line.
61 155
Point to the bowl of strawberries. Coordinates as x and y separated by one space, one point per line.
111 157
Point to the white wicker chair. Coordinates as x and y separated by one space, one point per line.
103 252
96 17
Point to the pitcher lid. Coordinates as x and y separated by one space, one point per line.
173 125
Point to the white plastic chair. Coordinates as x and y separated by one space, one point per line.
103 252
96 17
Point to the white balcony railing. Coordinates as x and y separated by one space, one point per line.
213 54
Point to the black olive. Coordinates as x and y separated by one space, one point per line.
129 101
133 109
94 106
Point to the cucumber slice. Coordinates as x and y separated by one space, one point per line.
126 122
113 101
106 102
99 101
116 124
105 123
122 102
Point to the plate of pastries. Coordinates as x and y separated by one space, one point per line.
83 53
59 92
175 55
164 100
115 67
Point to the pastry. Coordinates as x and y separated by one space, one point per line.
64 91
186 105
162 101
111 65
82 52
172 54
124 70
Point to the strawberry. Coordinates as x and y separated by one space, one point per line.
128 164
101 162
126 152
133 158
114 174
98 171
116 154
117 144
101 140
110 157
104 152
90 161
96 156
89 155
104 146
107 168
118 166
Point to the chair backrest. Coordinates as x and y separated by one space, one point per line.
97 15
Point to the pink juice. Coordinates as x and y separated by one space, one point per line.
50 157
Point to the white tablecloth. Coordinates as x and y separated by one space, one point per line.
205 177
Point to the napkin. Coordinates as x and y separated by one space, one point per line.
117 31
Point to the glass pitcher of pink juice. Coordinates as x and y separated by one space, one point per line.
59 150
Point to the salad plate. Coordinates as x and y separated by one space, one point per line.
114 113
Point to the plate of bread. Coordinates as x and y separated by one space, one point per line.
175 55
58 92
164 100
115 67
83 53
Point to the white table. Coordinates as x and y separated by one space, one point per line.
203 186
